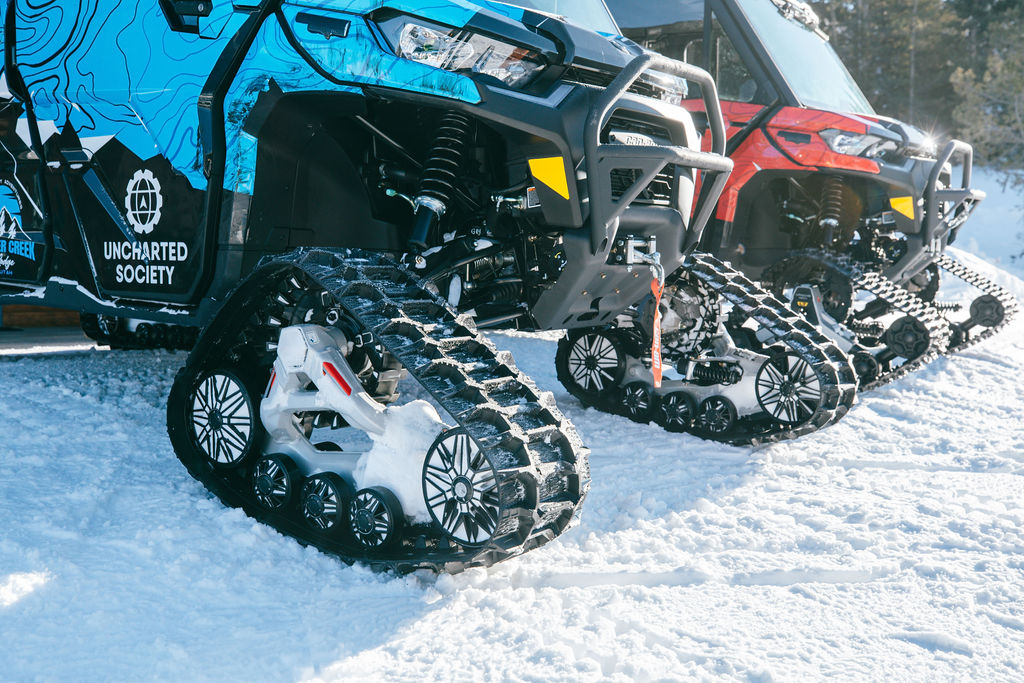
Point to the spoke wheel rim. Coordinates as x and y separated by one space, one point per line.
594 362
323 503
272 482
460 488
717 416
636 400
788 389
222 420
677 411
373 519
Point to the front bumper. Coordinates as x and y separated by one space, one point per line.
944 210
594 287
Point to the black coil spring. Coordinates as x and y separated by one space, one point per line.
717 374
445 160
831 201
866 329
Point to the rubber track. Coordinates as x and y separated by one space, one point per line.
975 279
835 373
898 298
541 464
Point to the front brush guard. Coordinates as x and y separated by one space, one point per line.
602 159
939 225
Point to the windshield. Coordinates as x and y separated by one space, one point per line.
807 61
590 14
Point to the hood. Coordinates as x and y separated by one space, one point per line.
562 41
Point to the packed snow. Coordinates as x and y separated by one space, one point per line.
888 546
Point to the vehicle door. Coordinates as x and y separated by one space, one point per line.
115 87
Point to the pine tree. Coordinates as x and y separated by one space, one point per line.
902 52
991 104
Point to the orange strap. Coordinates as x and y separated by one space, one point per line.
657 289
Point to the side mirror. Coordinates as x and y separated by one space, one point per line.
184 15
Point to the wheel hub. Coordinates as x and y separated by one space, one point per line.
264 484
363 521
216 420
314 505
463 489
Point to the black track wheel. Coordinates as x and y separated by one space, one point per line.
591 364
907 337
460 488
275 482
866 366
636 401
375 517
676 411
716 417
324 503
788 389
223 418
987 311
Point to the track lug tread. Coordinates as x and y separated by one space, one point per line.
543 469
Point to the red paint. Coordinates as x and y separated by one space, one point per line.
273 376
759 152
329 369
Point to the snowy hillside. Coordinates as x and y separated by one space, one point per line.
889 546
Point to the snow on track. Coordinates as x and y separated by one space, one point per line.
888 546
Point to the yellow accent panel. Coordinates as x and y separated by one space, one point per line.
551 172
904 205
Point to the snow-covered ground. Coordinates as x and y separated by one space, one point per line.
890 546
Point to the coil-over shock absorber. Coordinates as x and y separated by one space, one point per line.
437 182
831 209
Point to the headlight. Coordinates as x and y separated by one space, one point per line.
858 144
462 51
671 89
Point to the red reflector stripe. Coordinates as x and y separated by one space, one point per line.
273 376
329 369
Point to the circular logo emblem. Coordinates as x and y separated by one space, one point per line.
143 202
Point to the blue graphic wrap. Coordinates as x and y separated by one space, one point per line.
15 244
114 69
356 60
127 75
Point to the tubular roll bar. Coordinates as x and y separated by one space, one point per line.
602 158
933 195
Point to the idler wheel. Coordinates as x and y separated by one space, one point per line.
375 518
716 417
987 311
460 488
907 337
866 366
223 419
788 389
591 364
635 402
324 503
109 326
676 411
275 480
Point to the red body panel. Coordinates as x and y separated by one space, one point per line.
792 142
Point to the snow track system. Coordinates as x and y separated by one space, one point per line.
318 340
788 379
894 331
